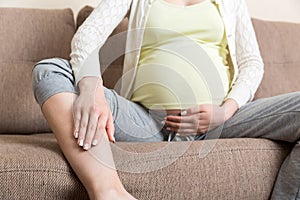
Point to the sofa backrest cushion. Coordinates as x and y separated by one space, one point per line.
35 34
27 36
280 46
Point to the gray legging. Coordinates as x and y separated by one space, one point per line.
275 118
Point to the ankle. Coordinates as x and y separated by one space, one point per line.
97 188
112 193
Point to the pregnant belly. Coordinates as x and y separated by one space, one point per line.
168 82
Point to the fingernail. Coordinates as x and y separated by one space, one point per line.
168 128
81 143
163 122
114 139
86 146
95 142
76 134
183 112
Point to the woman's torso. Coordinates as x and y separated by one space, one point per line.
168 80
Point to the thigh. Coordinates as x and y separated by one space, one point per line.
276 118
50 77
133 122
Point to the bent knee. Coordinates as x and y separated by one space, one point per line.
297 94
293 100
51 66
52 76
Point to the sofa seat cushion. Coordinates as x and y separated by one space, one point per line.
33 167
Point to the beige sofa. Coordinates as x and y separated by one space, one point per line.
33 167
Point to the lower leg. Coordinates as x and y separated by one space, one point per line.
287 185
100 180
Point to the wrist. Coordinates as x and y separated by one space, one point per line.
90 84
230 106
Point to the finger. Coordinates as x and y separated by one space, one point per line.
174 126
173 118
202 129
187 132
97 137
204 116
204 121
193 110
186 119
76 117
207 122
91 129
191 130
82 128
98 134
179 118
198 109
101 127
110 129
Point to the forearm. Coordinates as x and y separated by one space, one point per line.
248 59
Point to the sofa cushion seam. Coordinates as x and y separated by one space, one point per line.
197 155
34 170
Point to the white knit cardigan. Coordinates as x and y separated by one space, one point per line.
242 43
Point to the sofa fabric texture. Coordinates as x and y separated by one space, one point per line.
279 48
33 166
27 36
33 34
19 111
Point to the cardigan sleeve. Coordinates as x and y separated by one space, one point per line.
249 61
92 34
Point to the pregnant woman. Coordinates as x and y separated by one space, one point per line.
191 70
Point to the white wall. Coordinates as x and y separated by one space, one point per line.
275 10
278 10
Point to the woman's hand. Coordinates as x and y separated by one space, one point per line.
200 119
92 115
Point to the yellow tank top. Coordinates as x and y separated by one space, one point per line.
183 57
